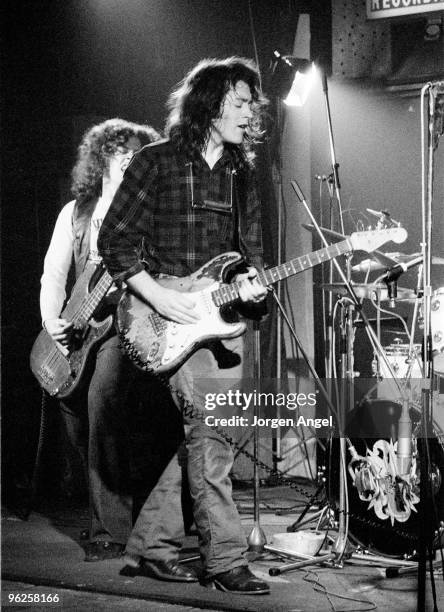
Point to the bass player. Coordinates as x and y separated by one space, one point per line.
99 437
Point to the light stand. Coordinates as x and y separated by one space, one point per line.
285 68
334 178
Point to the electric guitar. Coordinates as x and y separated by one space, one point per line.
58 369
159 345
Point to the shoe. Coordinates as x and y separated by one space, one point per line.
241 581
162 570
103 549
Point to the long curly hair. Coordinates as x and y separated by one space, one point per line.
198 101
98 144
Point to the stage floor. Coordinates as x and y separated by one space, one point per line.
44 555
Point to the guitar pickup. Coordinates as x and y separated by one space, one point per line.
46 375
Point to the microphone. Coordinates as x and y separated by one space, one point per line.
404 450
378 213
395 272
392 275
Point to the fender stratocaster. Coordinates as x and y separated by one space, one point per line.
159 345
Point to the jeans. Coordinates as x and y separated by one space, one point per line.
158 530
103 442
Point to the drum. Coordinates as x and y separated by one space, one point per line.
400 360
404 365
370 423
437 323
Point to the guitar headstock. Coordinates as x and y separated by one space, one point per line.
371 240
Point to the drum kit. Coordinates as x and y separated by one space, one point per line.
384 466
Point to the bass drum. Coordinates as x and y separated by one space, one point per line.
437 323
369 422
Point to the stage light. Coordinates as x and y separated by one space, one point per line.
301 86
302 72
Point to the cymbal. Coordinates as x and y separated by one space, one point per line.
369 290
377 262
393 259
438 261
384 259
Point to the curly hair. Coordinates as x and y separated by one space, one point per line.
98 144
199 98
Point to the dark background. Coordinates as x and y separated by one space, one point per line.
66 66
69 64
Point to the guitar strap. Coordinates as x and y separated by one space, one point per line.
81 224
238 244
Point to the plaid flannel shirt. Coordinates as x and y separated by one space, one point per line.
171 215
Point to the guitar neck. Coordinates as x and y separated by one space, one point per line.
92 300
228 293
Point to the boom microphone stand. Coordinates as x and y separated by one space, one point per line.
346 400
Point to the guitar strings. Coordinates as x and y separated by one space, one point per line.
54 360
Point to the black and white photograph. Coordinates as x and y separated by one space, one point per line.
222 307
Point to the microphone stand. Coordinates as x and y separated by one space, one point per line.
256 540
346 373
425 532
332 179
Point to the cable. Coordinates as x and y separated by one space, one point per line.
321 588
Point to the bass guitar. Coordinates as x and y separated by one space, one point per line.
58 369
159 345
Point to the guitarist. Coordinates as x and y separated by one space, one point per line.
102 158
186 200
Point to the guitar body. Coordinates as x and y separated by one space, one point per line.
59 371
159 345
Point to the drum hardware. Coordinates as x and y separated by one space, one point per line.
437 323
346 288
387 475
369 290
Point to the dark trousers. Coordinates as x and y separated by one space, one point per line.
158 531
102 439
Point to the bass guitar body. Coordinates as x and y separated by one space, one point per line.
59 370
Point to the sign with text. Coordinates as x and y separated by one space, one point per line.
380 9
